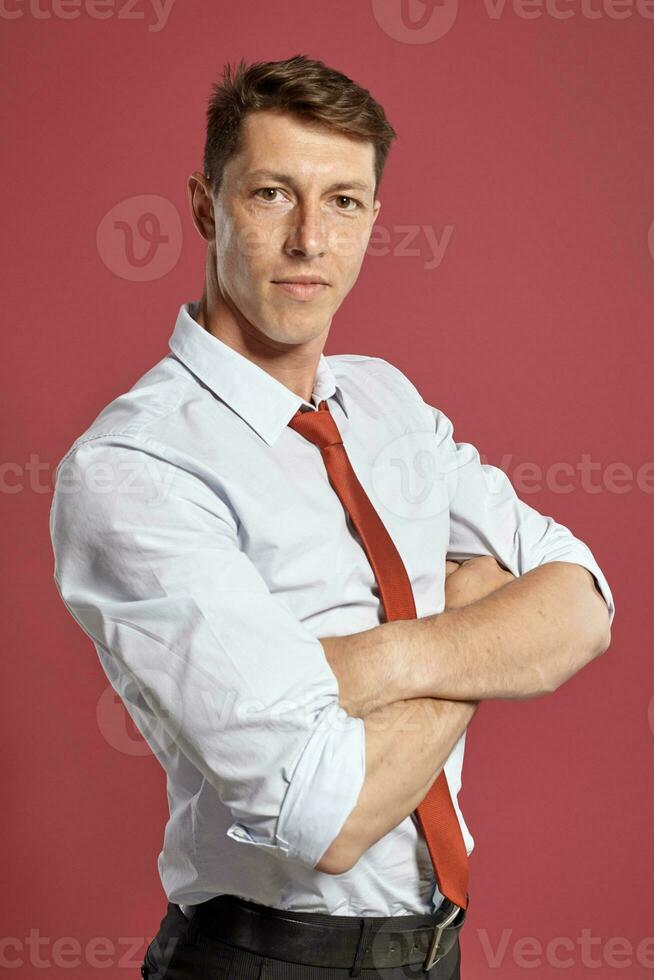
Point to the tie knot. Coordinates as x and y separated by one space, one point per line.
318 427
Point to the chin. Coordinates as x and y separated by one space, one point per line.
299 333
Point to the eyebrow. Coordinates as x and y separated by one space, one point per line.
340 185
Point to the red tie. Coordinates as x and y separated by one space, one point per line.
436 813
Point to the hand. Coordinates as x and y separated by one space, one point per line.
473 579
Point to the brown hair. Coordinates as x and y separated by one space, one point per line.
299 85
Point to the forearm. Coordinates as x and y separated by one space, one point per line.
523 640
407 743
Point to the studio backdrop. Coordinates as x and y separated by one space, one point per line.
510 276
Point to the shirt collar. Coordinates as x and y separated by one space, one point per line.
261 400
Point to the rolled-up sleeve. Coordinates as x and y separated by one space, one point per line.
488 518
148 562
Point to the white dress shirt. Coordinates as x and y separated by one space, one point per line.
199 544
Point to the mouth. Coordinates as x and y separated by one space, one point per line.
302 287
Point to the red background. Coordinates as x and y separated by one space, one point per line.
531 137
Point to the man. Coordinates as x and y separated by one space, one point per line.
301 639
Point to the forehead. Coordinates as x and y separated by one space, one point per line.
278 141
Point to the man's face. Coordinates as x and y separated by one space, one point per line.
297 200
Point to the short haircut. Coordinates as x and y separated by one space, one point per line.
304 87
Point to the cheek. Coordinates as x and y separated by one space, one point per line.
239 267
351 244
350 267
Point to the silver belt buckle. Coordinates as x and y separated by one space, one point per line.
434 953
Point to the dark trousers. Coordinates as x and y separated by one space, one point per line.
180 951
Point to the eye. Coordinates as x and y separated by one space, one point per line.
267 190
352 200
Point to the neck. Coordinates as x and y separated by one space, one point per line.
293 365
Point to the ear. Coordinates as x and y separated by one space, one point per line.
201 205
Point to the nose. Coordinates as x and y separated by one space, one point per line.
306 235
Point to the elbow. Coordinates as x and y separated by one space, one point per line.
600 639
593 618
604 640
329 866
600 616
596 643
337 859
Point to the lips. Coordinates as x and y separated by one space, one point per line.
308 278
300 288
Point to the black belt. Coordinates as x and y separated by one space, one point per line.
314 939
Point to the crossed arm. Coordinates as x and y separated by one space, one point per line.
498 637
187 628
